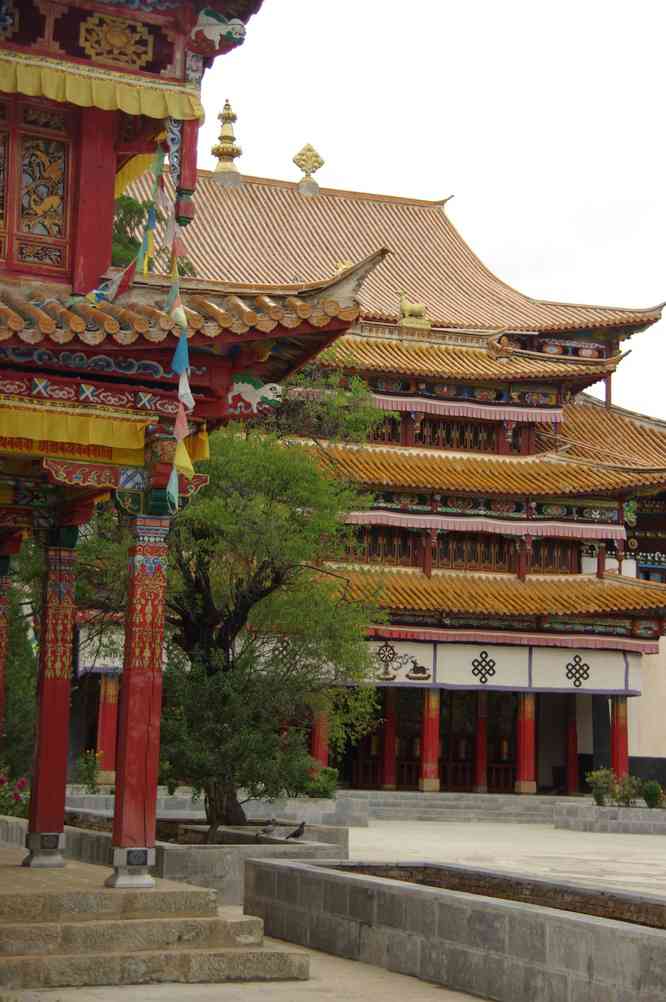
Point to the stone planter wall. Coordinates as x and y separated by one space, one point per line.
503 950
218 866
587 817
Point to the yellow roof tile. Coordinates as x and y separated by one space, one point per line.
503 595
610 436
266 231
541 475
419 358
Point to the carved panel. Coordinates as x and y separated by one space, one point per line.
42 186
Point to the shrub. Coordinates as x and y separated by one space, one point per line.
87 769
14 796
323 783
627 791
653 795
603 783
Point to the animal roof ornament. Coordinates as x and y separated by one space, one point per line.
413 314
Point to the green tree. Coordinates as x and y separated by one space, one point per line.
261 630
129 220
20 688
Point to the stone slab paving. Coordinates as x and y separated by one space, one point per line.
592 859
332 979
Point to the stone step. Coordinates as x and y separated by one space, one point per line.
107 903
119 935
181 965
458 818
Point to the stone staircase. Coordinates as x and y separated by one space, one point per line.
115 937
387 805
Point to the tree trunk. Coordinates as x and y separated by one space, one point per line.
222 808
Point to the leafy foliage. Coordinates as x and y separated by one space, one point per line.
87 769
20 688
128 224
14 796
627 790
602 783
322 784
652 793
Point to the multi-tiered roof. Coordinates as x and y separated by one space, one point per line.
491 471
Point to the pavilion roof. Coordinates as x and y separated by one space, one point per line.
543 474
266 231
612 436
427 357
503 594
298 319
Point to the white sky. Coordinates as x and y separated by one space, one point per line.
545 119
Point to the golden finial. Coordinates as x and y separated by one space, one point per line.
226 150
309 161
413 314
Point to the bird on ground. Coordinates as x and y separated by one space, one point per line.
297 832
269 828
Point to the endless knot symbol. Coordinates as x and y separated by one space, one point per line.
387 653
483 667
578 671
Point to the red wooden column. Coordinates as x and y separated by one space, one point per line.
107 722
319 739
526 744
481 743
45 839
572 745
95 202
140 706
619 737
429 775
389 750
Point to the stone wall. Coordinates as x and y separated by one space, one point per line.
503 950
587 817
218 866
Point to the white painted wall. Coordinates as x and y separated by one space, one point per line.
647 718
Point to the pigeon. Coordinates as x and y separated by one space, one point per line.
297 832
269 828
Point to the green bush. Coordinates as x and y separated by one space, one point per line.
322 784
603 783
627 791
653 795
87 769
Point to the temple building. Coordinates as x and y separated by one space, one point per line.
111 380
514 532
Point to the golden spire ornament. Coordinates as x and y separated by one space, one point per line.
226 150
309 161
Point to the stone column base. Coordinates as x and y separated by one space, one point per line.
45 849
131 868
480 789
106 777
389 786
429 785
525 786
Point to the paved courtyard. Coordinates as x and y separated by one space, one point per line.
636 862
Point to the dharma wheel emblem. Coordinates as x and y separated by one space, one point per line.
386 655
483 667
578 671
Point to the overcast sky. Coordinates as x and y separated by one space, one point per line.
545 119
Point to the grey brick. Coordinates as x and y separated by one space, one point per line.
452 921
274 920
362 902
287 886
582 990
402 952
336 897
527 936
432 966
312 892
487 930
265 882
617 959
653 965
525 981
391 908
296 926
421 915
372 945
475 972
335 935
569 947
